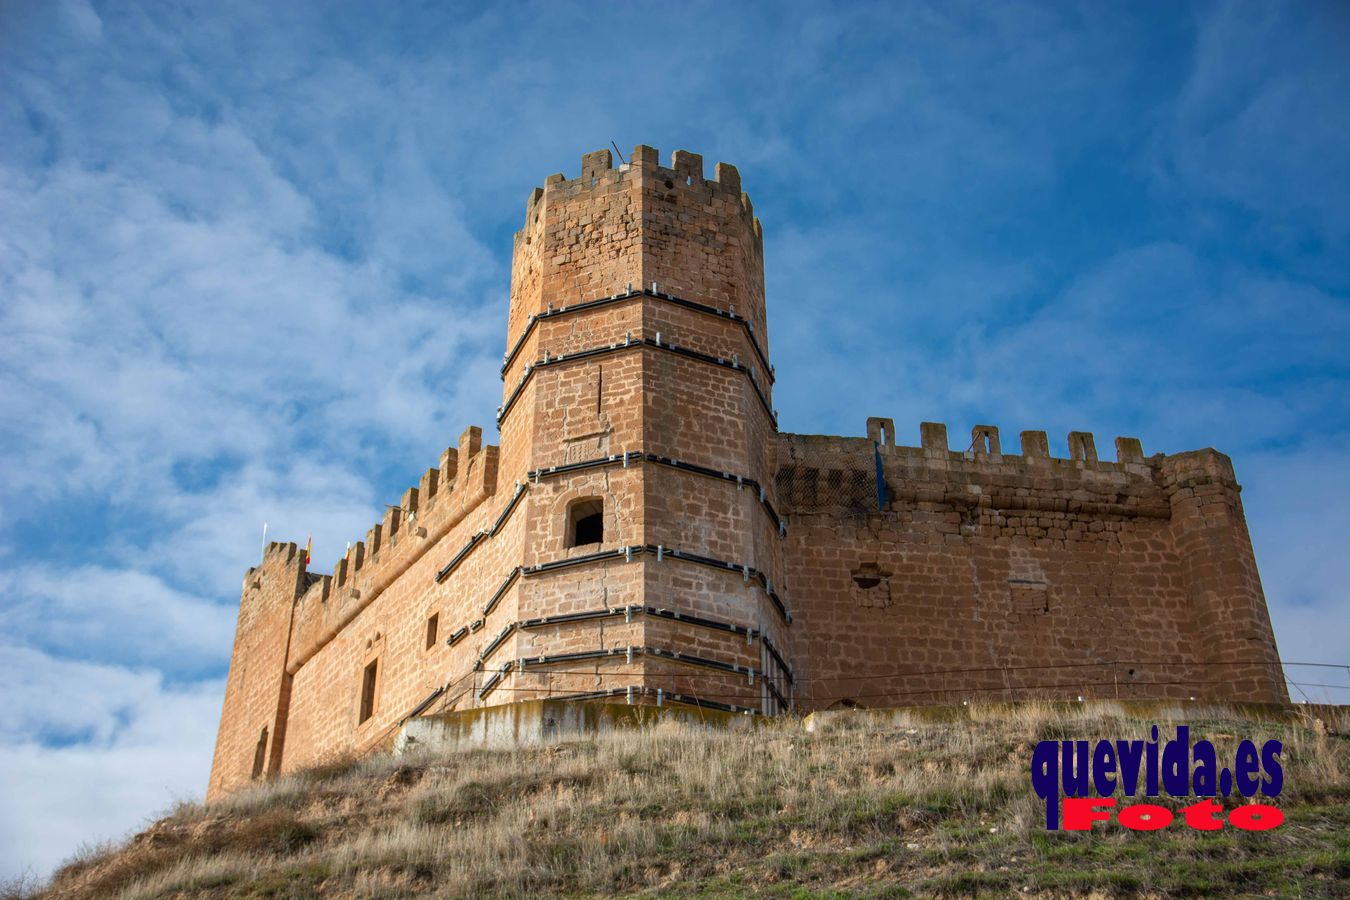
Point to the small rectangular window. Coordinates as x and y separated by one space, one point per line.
432 623
586 522
368 690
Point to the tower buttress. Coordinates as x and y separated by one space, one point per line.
1232 636
257 691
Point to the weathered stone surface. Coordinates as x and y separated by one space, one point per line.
971 573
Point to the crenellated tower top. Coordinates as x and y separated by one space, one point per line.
635 225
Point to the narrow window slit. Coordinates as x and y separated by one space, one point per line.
368 690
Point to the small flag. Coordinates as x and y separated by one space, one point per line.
308 545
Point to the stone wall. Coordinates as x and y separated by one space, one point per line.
981 575
736 569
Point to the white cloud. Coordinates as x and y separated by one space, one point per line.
141 745
114 615
147 339
189 352
83 19
220 531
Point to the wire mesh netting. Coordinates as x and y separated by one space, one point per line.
830 479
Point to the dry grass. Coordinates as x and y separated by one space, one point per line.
922 801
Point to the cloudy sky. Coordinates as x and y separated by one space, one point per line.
254 266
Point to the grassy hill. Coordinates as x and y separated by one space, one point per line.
919 801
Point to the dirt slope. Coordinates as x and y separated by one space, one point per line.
905 803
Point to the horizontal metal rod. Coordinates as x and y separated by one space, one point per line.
621 458
526 662
629 295
570 561
567 468
495 643
459 557
753 573
478 538
510 508
565 618
615 348
491 683
639 690
419 708
713 624
668 614
739 480
703 662
501 592
691 700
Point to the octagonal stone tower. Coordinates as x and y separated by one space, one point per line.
638 409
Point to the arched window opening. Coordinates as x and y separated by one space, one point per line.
586 522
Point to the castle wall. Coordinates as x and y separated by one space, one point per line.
1231 632
392 632
1015 576
736 568
304 639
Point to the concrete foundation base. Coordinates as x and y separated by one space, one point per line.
540 721
536 722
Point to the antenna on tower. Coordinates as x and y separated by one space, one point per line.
622 161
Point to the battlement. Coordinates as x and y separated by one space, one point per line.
277 557
684 174
685 167
819 473
986 445
622 224
275 553
444 495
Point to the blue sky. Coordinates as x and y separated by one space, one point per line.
255 261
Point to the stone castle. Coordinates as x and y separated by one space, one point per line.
644 532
